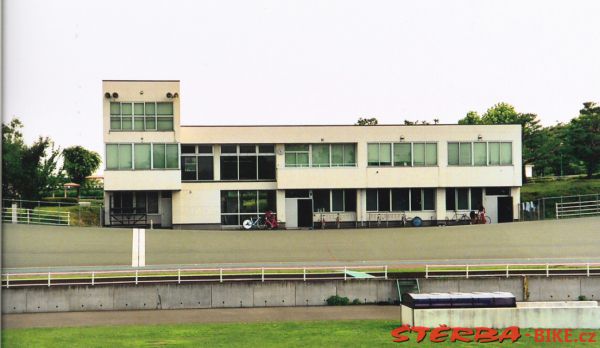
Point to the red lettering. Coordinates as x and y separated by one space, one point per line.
439 334
456 334
548 335
510 333
568 335
556 336
421 332
485 335
539 335
592 337
397 333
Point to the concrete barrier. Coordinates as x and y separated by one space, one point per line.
275 293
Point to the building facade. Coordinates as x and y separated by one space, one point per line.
161 173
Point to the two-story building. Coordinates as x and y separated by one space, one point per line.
161 173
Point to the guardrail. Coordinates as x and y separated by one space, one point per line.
35 216
574 209
512 270
187 275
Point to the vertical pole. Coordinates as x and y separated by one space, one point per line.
15 218
221 275
547 270
507 270
136 277
27 210
467 273
179 276
262 274
7 280
426 271
304 274
345 269
588 269
48 279
385 272
557 210
92 278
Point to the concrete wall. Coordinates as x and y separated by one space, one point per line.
194 295
575 317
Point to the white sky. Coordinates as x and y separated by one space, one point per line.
299 62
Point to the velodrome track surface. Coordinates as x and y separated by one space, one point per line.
41 247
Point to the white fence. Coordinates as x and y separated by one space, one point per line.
35 216
512 270
577 209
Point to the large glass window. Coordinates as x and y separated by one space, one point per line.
236 206
334 200
118 156
464 198
401 199
197 162
403 154
320 155
247 162
480 153
134 202
141 116
142 156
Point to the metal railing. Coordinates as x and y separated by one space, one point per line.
545 208
35 216
512 270
577 209
189 275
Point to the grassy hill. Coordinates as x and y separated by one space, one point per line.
559 187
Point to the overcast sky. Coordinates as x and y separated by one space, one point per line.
299 62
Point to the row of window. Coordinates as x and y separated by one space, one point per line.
257 162
400 199
142 156
334 200
479 153
142 116
239 205
134 202
320 155
402 154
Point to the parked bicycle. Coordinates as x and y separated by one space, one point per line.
458 219
268 221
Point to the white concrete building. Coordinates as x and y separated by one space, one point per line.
160 172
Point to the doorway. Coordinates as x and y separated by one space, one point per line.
305 212
505 209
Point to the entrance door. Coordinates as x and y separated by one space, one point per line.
491 207
166 206
505 209
305 213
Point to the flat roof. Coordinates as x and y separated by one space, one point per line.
346 125
141 81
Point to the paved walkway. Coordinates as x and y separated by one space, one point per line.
200 316
39 246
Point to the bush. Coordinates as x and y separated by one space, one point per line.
338 301
582 298
61 199
356 301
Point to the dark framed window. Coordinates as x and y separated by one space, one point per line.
248 162
141 116
197 162
415 199
134 202
236 206
464 198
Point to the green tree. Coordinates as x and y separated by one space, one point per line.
366 122
80 163
583 136
472 117
28 172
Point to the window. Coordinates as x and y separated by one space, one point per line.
197 162
401 199
141 116
464 198
403 154
247 162
320 155
379 154
237 206
479 153
138 202
142 156
334 200
118 156
500 153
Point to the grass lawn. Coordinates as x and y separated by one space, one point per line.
363 333
555 188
